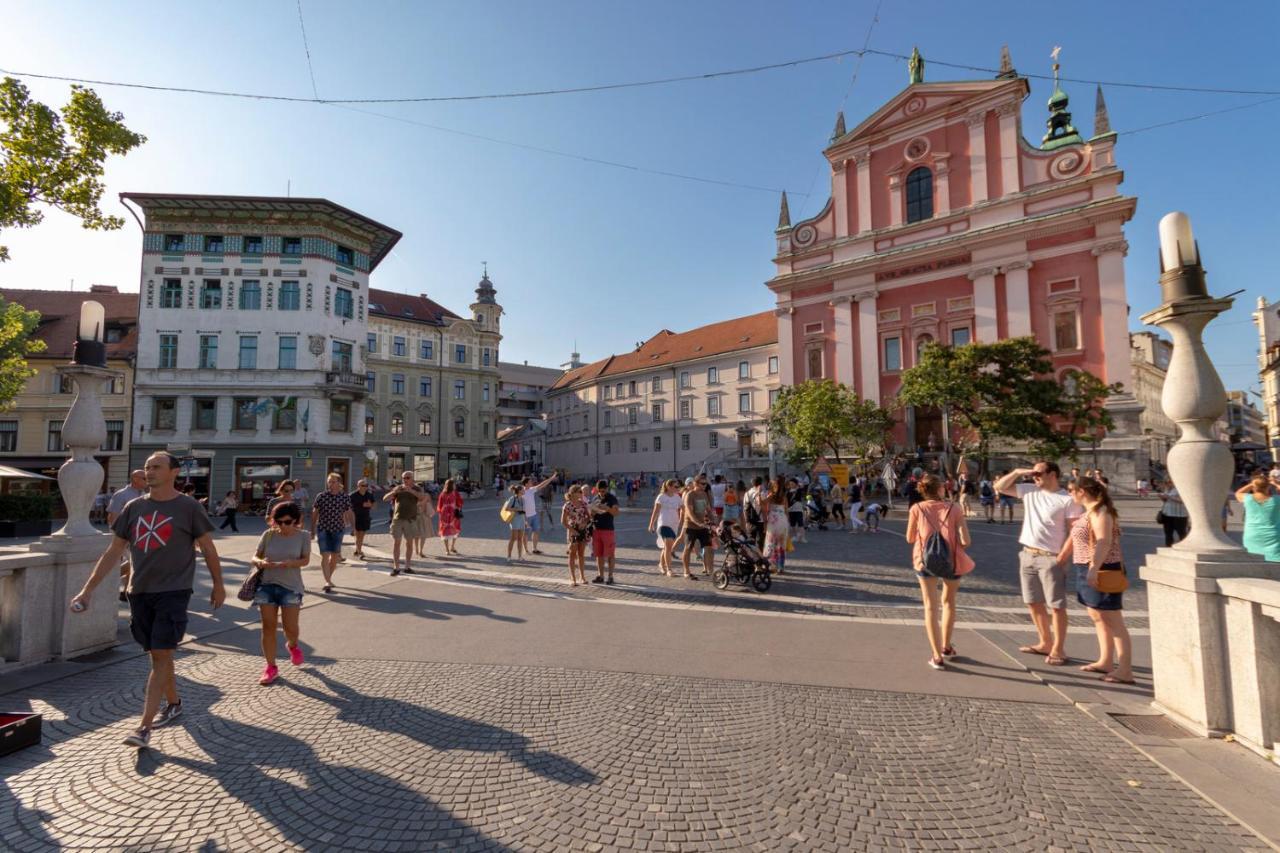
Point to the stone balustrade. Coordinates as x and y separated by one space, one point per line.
1251 617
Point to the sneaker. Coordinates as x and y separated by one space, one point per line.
408 571
141 738
597 580
609 581
937 663
395 572
295 655
170 713
269 674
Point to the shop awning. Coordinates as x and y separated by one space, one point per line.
6 471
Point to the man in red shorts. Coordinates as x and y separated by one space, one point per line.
603 509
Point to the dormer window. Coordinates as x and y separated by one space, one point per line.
919 195
345 256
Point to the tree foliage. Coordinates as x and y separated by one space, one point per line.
16 343
56 160
823 418
1007 390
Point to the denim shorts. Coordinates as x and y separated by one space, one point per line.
1091 597
534 523
277 595
330 541
666 532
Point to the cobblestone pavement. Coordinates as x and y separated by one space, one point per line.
413 756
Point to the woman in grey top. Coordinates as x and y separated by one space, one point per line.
282 552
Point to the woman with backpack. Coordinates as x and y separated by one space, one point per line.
937 530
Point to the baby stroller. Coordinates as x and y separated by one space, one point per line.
818 513
743 563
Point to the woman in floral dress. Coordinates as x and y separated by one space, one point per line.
575 517
449 509
773 507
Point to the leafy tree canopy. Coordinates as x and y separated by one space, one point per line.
56 160
16 343
823 418
1007 390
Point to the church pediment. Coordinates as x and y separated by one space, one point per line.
922 101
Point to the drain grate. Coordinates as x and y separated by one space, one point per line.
1156 725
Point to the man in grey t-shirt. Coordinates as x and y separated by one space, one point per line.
161 532
137 488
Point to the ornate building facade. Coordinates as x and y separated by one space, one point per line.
1267 318
252 319
944 224
432 380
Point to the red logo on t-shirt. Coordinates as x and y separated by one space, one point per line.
152 531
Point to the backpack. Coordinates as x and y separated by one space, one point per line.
987 491
938 560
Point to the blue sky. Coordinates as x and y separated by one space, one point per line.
608 256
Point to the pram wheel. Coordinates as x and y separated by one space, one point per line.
761 581
720 578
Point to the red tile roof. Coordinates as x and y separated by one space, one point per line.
402 306
60 315
667 348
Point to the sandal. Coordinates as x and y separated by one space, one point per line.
1054 660
1093 667
1111 679
1033 650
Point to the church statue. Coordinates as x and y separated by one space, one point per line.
915 66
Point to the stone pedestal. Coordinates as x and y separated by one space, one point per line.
74 557
1189 659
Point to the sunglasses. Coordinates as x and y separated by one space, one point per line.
285 522
1036 475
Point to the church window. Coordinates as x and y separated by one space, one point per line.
919 195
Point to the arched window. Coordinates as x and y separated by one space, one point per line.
919 195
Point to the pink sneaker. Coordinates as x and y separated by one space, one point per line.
269 674
295 655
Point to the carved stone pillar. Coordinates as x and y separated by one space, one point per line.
1009 133
977 157
942 184
985 327
786 345
868 345
1017 298
840 196
864 191
842 321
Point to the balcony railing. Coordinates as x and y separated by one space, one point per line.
343 381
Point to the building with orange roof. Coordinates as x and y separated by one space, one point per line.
676 403
31 431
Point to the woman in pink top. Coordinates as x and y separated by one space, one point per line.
1094 544
930 515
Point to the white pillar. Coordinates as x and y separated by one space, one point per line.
985 328
786 347
977 157
842 320
840 196
868 345
1017 298
942 185
1009 155
864 191
1115 312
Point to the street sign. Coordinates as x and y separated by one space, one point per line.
302 453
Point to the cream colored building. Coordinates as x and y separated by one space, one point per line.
1267 319
31 429
432 381
1150 355
675 403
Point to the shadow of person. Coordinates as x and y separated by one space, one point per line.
23 828
440 730
309 800
381 602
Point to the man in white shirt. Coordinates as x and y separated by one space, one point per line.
717 495
1048 512
530 499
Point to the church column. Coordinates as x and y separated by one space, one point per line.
1009 149
786 347
895 199
868 345
840 196
1115 312
864 190
1017 298
985 328
977 157
842 320
942 184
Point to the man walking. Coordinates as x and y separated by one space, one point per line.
137 488
718 488
330 515
406 501
603 539
1047 514
161 532
362 503
698 519
530 499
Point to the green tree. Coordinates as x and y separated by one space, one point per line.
1006 390
823 418
16 343
56 160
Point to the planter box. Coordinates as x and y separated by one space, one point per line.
18 730
14 529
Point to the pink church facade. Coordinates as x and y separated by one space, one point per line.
945 224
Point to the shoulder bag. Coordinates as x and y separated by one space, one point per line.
249 588
1112 578
507 513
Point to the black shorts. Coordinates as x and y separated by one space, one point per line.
796 519
363 523
698 535
158 619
